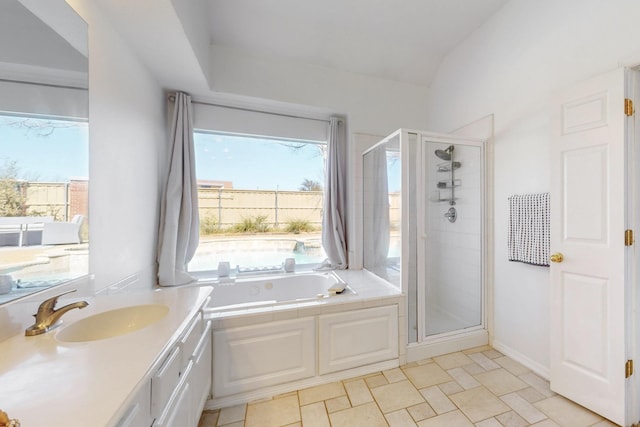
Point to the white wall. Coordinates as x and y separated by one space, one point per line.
511 67
128 141
374 106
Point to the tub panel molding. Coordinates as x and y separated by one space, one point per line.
251 357
356 338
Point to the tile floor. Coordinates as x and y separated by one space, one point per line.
476 387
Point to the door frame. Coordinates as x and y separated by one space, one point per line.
632 254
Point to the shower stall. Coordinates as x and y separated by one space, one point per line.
424 227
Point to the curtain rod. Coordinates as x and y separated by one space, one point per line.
172 98
43 84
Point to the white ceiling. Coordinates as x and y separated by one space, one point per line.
401 40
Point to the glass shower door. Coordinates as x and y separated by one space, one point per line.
452 230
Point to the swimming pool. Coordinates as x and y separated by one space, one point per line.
257 252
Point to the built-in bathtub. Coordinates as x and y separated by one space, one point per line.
277 290
282 332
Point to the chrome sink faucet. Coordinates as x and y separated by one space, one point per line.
48 317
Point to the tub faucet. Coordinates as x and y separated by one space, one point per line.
48 317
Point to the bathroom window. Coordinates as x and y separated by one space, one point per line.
43 188
260 202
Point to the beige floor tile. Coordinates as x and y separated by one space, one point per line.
232 414
314 415
290 425
500 381
525 409
273 413
209 419
450 387
492 354
424 362
531 395
566 413
394 375
395 396
482 360
476 349
320 393
376 381
450 419
452 360
479 403
427 375
358 392
337 404
463 378
400 418
474 368
538 383
511 419
421 412
605 423
489 422
511 365
367 415
545 423
437 400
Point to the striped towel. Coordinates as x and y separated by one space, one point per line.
529 228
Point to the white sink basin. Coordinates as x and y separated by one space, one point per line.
113 323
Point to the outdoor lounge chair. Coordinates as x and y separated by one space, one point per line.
60 233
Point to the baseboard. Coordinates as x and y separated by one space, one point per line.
540 370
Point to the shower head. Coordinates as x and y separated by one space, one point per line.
445 154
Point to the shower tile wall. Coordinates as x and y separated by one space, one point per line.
453 250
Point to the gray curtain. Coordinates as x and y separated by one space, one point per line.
334 217
179 222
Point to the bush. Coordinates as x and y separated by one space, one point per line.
209 225
298 226
252 225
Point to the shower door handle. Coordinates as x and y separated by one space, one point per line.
557 257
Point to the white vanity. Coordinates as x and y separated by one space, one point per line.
159 375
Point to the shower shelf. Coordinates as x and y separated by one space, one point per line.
446 167
448 184
435 197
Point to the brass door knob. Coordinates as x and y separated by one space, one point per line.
557 257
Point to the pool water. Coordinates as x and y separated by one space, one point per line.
255 253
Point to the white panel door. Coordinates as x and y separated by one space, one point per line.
588 223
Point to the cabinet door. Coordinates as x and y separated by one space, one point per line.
250 357
202 369
139 412
178 412
357 338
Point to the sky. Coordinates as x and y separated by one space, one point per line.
44 149
258 164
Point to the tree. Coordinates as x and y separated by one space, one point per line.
310 185
13 199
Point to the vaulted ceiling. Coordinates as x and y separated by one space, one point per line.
401 40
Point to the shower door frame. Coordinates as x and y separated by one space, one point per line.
429 346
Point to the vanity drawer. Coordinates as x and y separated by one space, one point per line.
189 340
164 381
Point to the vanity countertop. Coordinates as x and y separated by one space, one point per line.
46 382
